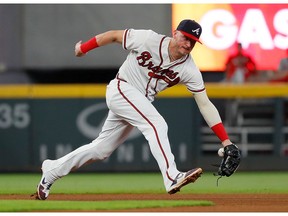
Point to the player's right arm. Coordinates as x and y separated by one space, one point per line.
113 36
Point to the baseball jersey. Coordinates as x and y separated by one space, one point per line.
149 69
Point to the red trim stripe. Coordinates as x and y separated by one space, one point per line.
151 124
161 62
125 39
200 90
160 48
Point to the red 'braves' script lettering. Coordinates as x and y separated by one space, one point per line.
143 60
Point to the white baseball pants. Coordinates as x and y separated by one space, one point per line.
128 108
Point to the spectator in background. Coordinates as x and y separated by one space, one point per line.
282 74
240 67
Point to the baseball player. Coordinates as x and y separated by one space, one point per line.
155 62
240 67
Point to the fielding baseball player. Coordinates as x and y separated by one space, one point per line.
155 62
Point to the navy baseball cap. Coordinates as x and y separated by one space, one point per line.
191 29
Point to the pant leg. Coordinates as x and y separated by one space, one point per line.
114 132
132 106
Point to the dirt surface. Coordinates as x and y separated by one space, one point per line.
223 202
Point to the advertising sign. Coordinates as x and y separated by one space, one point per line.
262 29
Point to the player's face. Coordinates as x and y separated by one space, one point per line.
185 44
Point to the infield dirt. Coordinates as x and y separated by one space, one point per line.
223 202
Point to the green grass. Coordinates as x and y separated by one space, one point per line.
99 183
37 205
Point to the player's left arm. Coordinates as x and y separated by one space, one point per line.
113 36
212 117
231 155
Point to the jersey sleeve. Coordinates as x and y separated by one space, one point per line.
134 39
193 79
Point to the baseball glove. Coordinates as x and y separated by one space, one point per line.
230 161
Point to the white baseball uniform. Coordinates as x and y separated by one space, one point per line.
146 71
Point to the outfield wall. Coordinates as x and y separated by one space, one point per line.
48 121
